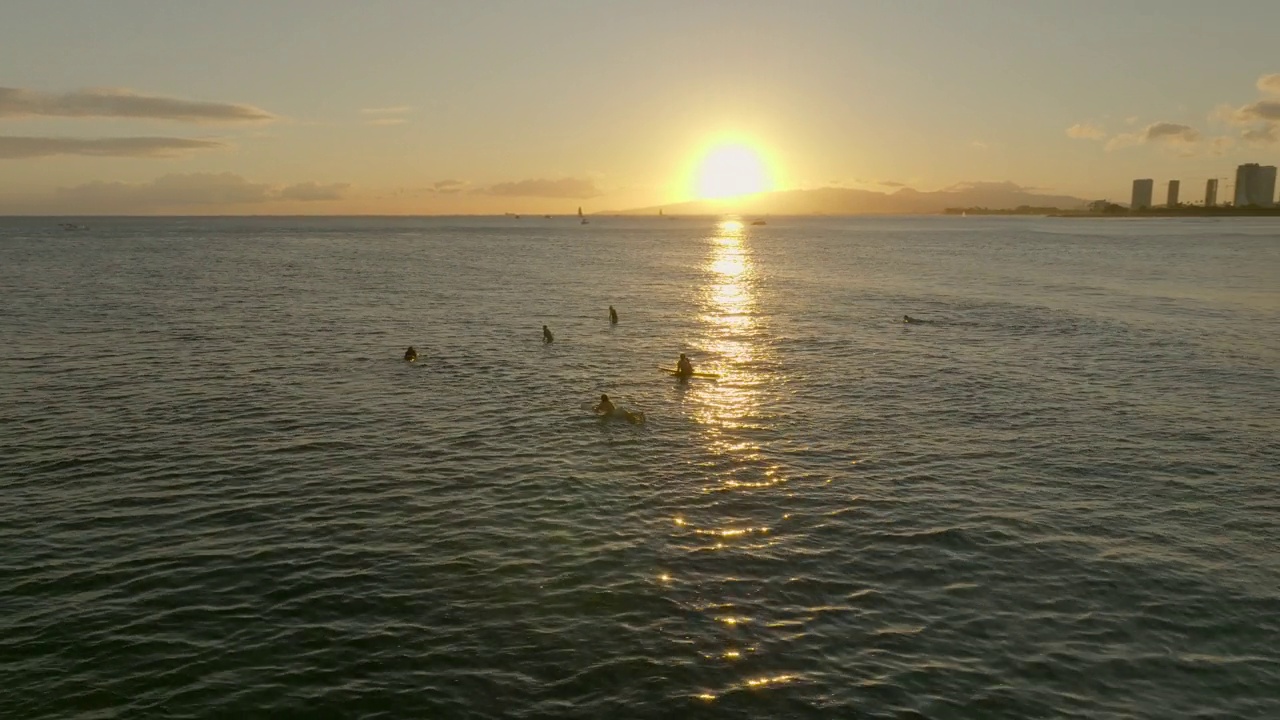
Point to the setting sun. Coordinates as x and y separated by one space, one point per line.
729 170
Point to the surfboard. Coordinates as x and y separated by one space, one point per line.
673 371
635 417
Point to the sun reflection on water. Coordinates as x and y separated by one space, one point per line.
732 413
729 315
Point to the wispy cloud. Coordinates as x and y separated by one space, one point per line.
122 103
563 188
394 110
1270 84
989 186
386 115
1086 131
1220 145
1262 135
23 147
447 187
1123 140
168 190
892 183
190 189
314 192
978 145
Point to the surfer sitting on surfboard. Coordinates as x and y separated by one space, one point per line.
546 335
684 368
410 355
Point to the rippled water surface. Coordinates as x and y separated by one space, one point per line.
225 494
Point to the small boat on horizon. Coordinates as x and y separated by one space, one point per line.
580 216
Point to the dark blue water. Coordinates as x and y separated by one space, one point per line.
225 495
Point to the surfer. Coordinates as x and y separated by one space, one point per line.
607 409
547 337
684 368
909 319
410 355
613 316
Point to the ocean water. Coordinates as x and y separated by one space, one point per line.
224 494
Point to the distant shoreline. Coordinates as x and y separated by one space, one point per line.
534 217
1203 213
1118 212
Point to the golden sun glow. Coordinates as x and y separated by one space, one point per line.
728 170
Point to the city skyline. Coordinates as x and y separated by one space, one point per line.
393 107
1251 184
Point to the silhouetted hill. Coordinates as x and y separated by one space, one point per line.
847 201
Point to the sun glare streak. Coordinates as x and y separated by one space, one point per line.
774 680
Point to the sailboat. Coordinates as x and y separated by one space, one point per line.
584 220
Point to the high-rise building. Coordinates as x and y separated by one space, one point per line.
1256 185
1211 192
1172 199
1141 194
1267 187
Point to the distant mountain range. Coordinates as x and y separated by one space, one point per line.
847 201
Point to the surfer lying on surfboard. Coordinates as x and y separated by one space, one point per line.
606 408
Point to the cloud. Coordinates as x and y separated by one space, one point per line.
20 147
978 145
1170 132
167 190
1123 140
1262 135
989 185
1166 133
1260 119
447 187
122 103
314 192
564 188
1260 111
892 183
190 189
1086 131
386 115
